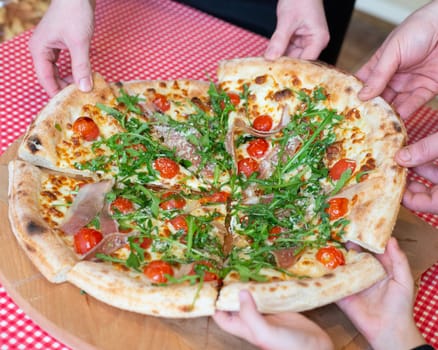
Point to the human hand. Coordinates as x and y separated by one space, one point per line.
66 25
288 330
383 313
405 68
420 156
301 30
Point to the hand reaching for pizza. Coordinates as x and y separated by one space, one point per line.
383 313
301 30
288 330
66 25
420 156
404 69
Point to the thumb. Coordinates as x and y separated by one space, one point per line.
81 67
421 152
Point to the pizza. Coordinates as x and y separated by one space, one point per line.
169 197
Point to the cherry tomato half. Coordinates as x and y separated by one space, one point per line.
161 102
146 242
175 202
338 207
179 223
123 205
340 167
274 233
247 166
330 257
262 123
234 99
166 167
86 128
86 239
205 266
157 270
257 148
217 197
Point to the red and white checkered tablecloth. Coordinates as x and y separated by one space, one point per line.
156 39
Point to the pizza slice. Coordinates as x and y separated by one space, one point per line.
300 117
125 244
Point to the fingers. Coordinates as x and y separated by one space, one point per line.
378 72
81 68
280 39
418 153
424 201
400 265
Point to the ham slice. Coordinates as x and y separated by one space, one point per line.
107 245
285 258
87 204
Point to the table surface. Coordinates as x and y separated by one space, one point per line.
156 39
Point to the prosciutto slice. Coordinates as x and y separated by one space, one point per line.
107 245
87 204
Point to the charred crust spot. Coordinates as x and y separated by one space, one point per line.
272 289
33 143
186 308
397 127
49 195
29 248
318 284
348 90
33 228
380 223
295 81
329 275
303 284
119 84
162 84
282 95
260 79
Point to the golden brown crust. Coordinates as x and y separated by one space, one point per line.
300 294
52 258
40 142
137 294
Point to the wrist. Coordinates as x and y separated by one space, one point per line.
406 336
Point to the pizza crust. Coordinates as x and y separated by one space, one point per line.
39 145
52 258
301 294
137 294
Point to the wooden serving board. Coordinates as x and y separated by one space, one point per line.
82 322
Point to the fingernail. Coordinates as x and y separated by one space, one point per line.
85 84
366 90
404 154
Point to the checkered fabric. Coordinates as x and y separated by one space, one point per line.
155 39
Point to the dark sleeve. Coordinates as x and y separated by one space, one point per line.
424 347
259 16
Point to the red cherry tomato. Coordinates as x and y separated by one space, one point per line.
247 166
257 148
175 202
274 233
179 223
340 167
156 271
338 207
330 257
218 197
86 239
146 242
262 123
123 205
86 128
208 275
234 99
166 167
161 102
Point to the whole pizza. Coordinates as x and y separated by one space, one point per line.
169 197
